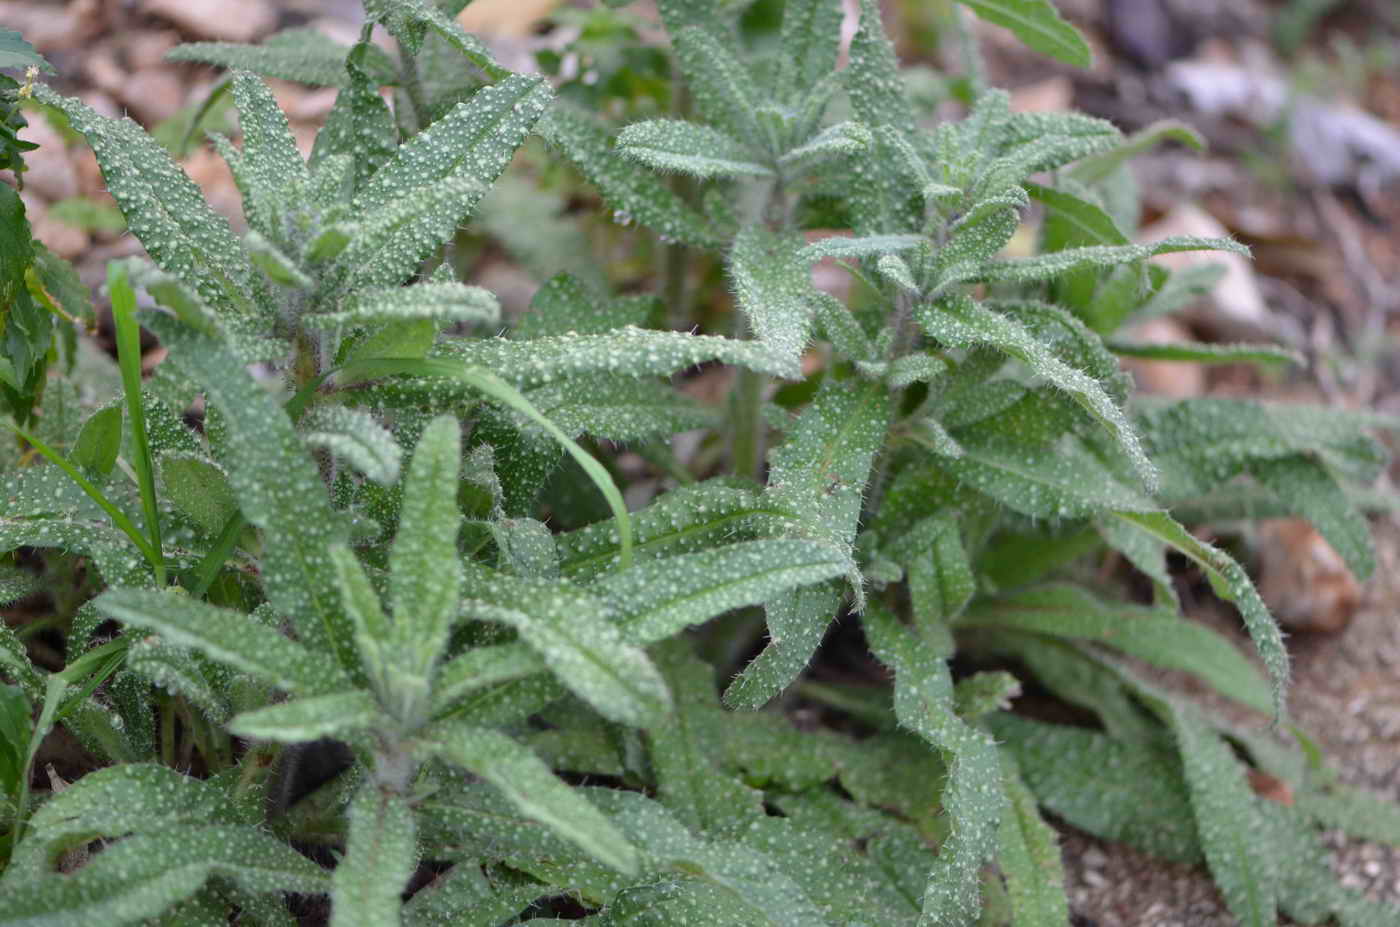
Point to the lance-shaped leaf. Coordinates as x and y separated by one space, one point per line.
1230 582
163 207
464 897
141 876
620 409
175 670
410 20
1029 857
840 140
439 302
360 128
1158 637
339 714
811 38
112 551
381 853
112 802
688 148
1094 169
415 202
354 436
425 574
633 352
1039 25
873 81
973 797
1047 266
797 622
302 55
1227 820
861 246
530 786
1306 485
771 284
483 667
1139 795
723 90
633 195
270 163
685 520
656 599
279 488
226 636
573 632
963 322
940 576
1207 353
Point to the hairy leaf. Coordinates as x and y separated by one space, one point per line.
302 55
380 856
687 148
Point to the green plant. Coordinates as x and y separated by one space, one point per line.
333 555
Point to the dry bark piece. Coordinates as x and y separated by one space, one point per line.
1305 583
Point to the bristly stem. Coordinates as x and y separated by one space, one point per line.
413 89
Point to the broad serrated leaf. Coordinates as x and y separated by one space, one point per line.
199 489
226 636
381 853
1230 582
535 791
15 52
688 148
279 488
658 598
163 207
973 797
633 195
302 55
963 322
1039 25
574 634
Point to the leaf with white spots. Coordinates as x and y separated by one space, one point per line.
360 128
1048 266
772 288
963 322
279 488
482 668
339 714
811 39
425 574
688 519
538 794
410 20
381 853
723 89
272 168
576 636
1029 856
797 622
163 207
841 140
973 797
141 876
1230 582
355 437
302 55
633 195
633 352
442 303
688 148
175 670
658 598
225 636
